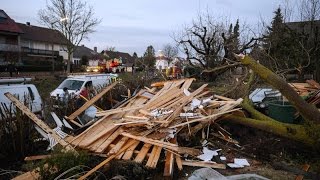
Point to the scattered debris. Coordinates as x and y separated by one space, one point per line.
145 125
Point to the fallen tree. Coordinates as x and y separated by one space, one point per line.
307 133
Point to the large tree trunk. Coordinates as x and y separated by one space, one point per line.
308 111
290 131
260 121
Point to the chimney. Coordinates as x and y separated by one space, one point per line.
28 23
95 49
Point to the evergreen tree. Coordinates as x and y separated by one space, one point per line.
282 44
149 58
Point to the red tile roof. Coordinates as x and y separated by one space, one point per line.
7 24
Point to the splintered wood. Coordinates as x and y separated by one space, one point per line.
148 124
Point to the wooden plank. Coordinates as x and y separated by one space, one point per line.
187 84
156 158
129 153
107 160
204 118
84 98
30 175
223 98
160 100
143 152
169 162
204 164
118 146
168 166
91 102
170 146
37 157
118 110
184 101
39 122
153 156
106 143
313 83
179 162
95 135
93 147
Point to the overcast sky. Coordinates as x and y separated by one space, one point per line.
132 25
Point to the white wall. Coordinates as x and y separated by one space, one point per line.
161 64
43 45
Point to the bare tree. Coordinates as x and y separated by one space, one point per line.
79 21
110 48
210 45
309 10
202 42
170 51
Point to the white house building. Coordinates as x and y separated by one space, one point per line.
162 62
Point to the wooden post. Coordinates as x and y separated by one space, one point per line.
39 122
92 101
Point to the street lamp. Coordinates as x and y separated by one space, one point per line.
52 23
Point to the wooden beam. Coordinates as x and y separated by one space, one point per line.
130 143
108 141
129 153
39 122
37 157
30 175
143 153
84 98
179 162
171 146
118 110
118 146
154 157
169 162
91 102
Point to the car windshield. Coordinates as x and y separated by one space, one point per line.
71 84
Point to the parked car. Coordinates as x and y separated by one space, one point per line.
75 83
25 92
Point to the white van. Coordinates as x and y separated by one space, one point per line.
25 92
77 82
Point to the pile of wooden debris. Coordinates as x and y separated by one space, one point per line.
310 89
149 123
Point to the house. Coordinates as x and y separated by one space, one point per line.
29 45
120 58
9 39
162 62
83 52
42 45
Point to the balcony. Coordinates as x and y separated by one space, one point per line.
39 52
9 47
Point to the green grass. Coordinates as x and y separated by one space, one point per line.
45 86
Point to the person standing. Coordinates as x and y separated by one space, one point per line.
11 68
